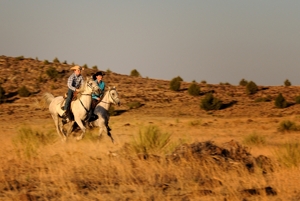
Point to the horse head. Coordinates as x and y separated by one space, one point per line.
90 87
113 96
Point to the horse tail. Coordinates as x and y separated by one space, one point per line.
48 97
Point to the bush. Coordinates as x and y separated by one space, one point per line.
52 72
2 95
280 101
24 92
175 84
297 99
251 88
134 105
46 62
287 125
287 83
95 67
135 73
55 60
194 89
243 82
209 102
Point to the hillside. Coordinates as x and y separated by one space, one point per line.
154 95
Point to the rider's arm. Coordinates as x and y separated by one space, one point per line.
70 82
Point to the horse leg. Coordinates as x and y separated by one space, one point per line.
82 127
70 129
59 128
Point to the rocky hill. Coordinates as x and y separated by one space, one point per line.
150 96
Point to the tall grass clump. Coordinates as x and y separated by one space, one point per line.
280 101
287 125
151 140
251 88
194 89
209 102
289 154
255 139
27 142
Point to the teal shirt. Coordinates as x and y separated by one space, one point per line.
101 85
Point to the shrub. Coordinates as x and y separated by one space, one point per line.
243 82
297 99
194 89
134 104
19 58
2 95
255 139
203 82
251 88
209 102
287 125
85 66
268 98
46 62
135 73
55 60
175 84
24 92
52 72
287 83
280 101
95 67
289 154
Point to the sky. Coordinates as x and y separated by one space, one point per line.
199 40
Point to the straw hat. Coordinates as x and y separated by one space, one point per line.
77 68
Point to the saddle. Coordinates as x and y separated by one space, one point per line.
75 93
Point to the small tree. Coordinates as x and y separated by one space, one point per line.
280 101
287 83
24 92
251 88
194 89
243 82
2 95
135 73
175 84
209 102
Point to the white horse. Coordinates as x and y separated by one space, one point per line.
101 110
79 108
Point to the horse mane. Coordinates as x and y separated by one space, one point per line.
82 87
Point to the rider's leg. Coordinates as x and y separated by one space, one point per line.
67 103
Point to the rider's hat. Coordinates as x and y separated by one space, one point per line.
98 73
77 68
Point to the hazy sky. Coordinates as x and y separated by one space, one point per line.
212 40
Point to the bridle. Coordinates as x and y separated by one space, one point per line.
115 102
93 91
